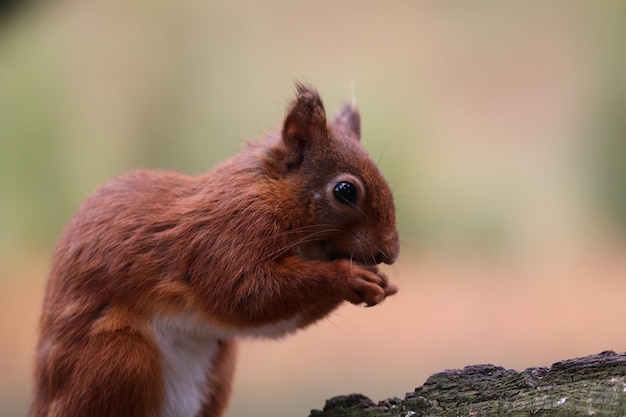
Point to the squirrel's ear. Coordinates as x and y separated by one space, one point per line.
348 121
305 122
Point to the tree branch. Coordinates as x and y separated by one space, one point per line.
592 385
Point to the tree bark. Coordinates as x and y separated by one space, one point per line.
592 385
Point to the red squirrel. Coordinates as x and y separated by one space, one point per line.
159 273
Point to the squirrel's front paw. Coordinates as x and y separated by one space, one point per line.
368 285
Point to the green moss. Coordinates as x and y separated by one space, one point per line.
593 385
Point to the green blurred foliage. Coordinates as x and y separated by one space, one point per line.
89 91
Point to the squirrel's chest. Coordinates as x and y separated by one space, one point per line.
187 349
186 361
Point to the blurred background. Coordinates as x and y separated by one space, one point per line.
499 125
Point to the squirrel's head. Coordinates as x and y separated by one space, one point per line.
348 204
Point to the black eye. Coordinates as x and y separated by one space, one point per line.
346 193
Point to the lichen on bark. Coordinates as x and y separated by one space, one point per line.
591 385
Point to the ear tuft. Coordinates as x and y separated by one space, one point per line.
305 122
348 121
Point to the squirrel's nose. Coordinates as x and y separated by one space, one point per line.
389 253
382 257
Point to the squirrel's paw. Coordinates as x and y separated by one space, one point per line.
368 285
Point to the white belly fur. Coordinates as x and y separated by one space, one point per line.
186 360
187 344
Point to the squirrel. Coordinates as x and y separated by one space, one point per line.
159 273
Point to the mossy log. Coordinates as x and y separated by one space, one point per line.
590 386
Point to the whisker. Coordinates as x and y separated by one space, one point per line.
351 263
403 180
279 252
359 209
382 153
308 238
333 324
288 232
384 252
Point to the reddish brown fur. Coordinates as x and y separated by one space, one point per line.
256 240
220 381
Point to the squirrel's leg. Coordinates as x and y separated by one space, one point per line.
220 379
118 374
110 373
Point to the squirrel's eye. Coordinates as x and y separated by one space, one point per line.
346 193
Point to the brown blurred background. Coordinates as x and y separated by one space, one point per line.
500 126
